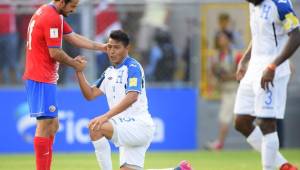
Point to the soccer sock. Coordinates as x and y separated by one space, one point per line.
50 151
255 140
103 153
41 147
270 146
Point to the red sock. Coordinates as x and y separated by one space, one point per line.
50 151
41 147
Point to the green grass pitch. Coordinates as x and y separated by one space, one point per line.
200 160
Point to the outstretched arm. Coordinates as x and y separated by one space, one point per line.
88 91
59 55
83 42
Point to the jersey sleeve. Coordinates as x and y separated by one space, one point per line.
53 31
67 28
287 15
134 80
100 83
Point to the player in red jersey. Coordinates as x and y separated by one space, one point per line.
46 30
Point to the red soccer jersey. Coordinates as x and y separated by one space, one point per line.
45 30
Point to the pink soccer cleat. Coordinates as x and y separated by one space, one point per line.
184 165
288 166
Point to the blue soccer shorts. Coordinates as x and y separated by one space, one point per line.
41 98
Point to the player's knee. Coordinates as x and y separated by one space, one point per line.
267 125
243 126
95 134
238 125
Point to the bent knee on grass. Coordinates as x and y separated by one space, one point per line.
105 130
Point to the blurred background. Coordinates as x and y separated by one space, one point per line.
189 50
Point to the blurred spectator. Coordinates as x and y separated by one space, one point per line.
223 67
226 25
162 58
107 19
8 44
155 17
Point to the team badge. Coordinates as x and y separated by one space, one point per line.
53 32
52 108
132 82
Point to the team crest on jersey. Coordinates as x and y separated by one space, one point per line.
52 108
53 32
132 82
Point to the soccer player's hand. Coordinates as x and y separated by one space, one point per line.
241 70
267 78
80 63
97 122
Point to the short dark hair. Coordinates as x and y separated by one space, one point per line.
66 1
121 36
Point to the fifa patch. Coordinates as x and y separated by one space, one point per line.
52 108
53 32
132 82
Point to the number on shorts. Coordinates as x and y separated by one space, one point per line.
268 100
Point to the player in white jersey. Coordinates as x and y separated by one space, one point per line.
128 123
264 74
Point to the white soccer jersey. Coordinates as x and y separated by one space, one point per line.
116 81
270 22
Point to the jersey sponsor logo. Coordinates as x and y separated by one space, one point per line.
132 82
53 32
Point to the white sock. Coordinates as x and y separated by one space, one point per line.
103 153
270 146
255 140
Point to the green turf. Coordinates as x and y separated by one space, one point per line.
200 160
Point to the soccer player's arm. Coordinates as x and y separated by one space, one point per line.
247 55
90 92
53 37
292 27
81 41
133 89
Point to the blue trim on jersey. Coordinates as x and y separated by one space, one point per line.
134 79
283 8
41 98
122 63
54 46
100 80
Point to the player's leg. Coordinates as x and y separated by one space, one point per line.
42 104
270 105
270 142
43 141
244 120
101 145
133 137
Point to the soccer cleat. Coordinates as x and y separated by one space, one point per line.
184 165
288 166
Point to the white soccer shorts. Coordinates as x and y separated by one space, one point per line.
252 100
133 137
